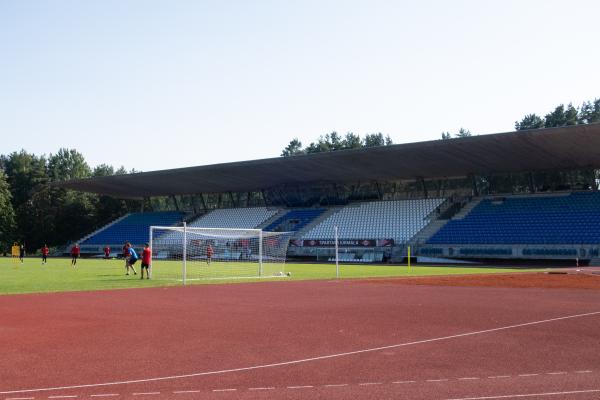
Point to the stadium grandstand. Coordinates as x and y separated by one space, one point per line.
527 195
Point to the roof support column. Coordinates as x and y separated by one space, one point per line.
193 201
203 202
145 200
336 193
443 186
174 198
262 194
424 187
379 195
474 183
282 197
531 179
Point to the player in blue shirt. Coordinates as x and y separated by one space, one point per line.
133 257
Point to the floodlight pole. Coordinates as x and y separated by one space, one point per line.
184 266
337 261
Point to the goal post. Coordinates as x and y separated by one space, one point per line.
195 253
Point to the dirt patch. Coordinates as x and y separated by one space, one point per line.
518 280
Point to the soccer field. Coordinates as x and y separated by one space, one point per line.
94 274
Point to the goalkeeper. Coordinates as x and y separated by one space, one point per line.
133 257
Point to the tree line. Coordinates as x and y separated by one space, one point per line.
588 113
33 212
334 141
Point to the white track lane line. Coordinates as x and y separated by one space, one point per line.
305 360
19 398
186 391
518 396
105 395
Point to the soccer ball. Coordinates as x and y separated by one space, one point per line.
288 273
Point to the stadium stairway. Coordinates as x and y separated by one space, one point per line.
274 218
428 231
467 208
439 219
329 212
295 219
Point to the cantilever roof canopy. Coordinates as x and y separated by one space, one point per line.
533 150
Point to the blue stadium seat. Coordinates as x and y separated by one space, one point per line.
295 220
571 219
133 228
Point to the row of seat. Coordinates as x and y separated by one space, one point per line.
399 220
570 219
238 218
134 228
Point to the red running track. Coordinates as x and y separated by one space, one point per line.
440 343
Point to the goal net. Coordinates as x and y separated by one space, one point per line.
195 253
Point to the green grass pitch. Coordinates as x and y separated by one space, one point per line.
95 274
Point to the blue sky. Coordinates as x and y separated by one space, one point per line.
155 85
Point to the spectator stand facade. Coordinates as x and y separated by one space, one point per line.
363 192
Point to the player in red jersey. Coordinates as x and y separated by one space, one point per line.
106 252
209 254
75 252
126 256
146 261
45 252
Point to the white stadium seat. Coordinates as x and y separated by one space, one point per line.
399 220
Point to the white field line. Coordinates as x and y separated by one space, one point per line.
517 396
185 391
305 360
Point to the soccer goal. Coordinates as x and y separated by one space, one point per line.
194 253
